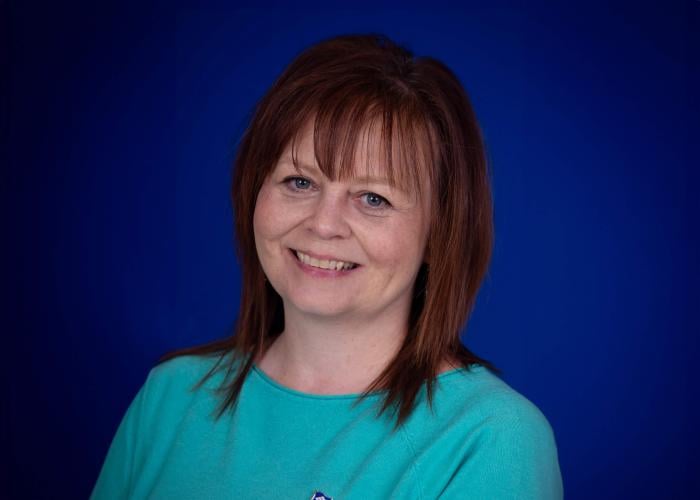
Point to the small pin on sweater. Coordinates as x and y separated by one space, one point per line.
320 496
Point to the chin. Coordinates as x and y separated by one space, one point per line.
319 308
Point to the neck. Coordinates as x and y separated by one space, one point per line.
322 355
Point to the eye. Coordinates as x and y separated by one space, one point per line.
373 200
377 202
297 183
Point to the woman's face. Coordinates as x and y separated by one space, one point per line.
333 223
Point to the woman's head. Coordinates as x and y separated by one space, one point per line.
345 91
420 132
364 220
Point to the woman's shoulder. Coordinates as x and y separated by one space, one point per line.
184 366
479 389
480 399
186 371
507 445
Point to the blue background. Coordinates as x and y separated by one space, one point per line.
119 123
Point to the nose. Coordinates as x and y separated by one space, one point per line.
328 219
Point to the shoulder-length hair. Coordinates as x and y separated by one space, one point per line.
343 84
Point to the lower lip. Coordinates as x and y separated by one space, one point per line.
321 273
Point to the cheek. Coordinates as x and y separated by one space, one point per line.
259 216
272 217
400 247
265 215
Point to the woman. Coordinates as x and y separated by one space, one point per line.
364 222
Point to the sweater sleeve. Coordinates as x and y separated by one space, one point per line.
115 478
514 457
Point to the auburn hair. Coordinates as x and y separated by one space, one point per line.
345 84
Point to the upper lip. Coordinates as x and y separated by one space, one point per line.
319 256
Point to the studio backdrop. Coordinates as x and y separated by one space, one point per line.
119 126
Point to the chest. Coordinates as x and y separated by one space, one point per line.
261 451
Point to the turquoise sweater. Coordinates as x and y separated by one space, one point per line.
484 441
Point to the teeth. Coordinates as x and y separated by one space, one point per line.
336 265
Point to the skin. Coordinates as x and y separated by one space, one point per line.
340 332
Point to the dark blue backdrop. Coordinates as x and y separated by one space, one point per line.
118 127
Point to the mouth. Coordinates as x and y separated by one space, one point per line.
326 266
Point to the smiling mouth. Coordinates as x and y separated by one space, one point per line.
328 265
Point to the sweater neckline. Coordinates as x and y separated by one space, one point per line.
265 378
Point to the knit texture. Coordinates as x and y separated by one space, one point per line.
483 440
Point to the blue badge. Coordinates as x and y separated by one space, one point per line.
320 496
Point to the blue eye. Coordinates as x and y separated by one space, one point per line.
300 183
376 201
373 200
